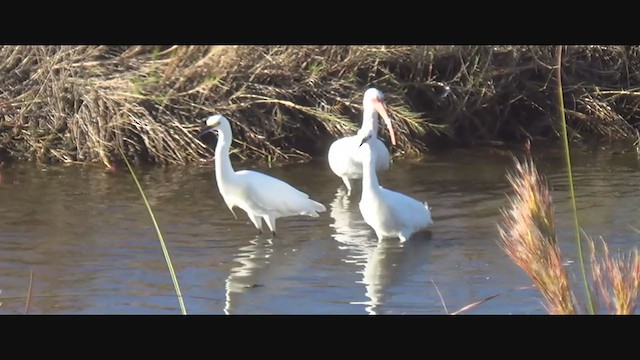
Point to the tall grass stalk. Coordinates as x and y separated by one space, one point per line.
162 243
565 138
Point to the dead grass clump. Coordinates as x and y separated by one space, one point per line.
83 103
77 103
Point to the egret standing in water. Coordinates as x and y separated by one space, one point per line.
389 213
344 157
260 196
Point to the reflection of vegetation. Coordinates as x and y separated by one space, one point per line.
89 102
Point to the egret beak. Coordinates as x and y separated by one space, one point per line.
205 130
382 110
364 140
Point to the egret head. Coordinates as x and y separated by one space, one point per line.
366 138
365 152
213 123
374 101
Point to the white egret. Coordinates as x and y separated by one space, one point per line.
344 157
383 265
389 213
260 196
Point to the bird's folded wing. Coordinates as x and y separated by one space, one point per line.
273 194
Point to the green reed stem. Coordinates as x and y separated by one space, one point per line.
570 175
164 247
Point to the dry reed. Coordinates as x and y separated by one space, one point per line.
85 103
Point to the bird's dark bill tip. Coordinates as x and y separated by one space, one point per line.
205 130
365 139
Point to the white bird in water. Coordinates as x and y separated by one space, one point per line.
260 196
389 213
344 157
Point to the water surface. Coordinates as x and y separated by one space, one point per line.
87 237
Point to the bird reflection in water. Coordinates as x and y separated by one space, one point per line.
386 263
252 259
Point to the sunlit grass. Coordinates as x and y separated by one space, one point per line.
617 278
528 237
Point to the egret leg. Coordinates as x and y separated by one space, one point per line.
271 222
257 221
233 212
347 183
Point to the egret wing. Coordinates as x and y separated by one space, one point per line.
408 210
272 194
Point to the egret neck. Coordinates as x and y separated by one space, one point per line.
224 170
369 175
369 121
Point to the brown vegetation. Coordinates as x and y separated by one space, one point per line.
84 103
527 235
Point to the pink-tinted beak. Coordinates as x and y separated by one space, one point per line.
380 107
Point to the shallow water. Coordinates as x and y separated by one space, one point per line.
88 240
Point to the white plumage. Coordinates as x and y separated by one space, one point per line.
344 157
260 196
389 213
